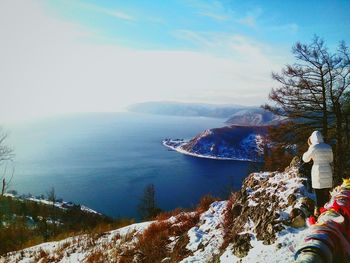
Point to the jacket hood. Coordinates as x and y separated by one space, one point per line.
316 137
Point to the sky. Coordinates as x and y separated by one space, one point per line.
61 57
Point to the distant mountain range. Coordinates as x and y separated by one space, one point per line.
186 109
235 114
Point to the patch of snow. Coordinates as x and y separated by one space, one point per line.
228 256
89 210
62 205
179 149
251 202
281 251
9 195
77 249
209 234
248 227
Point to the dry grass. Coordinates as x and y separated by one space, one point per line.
167 214
97 257
102 228
153 242
205 202
185 222
32 242
41 255
229 216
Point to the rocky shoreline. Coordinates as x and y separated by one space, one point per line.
176 145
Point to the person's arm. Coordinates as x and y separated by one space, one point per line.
307 156
331 156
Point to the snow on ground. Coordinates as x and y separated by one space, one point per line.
281 184
89 210
208 234
76 249
62 205
281 251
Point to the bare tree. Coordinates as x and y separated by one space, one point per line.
6 157
303 92
6 179
51 195
312 93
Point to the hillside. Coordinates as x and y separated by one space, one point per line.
253 225
254 117
27 220
235 114
228 143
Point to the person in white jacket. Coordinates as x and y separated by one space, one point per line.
321 173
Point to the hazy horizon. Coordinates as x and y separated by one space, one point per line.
62 57
126 109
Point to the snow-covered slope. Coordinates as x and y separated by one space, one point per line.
225 143
253 226
78 248
59 204
254 117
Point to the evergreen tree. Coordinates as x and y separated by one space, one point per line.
147 207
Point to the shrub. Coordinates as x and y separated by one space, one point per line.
167 214
205 202
229 216
153 242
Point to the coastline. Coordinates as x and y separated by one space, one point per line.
178 148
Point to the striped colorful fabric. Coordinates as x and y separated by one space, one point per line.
329 238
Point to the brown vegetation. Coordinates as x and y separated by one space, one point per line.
229 214
167 214
205 202
169 237
25 223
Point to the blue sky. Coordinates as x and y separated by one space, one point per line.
61 57
186 24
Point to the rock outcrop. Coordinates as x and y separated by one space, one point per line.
267 204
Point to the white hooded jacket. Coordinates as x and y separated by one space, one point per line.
322 155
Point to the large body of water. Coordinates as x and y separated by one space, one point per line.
105 160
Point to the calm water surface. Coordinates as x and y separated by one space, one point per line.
105 160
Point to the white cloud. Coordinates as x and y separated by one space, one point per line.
250 19
214 9
46 68
114 13
289 28
215 16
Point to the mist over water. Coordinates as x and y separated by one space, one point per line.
105 160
